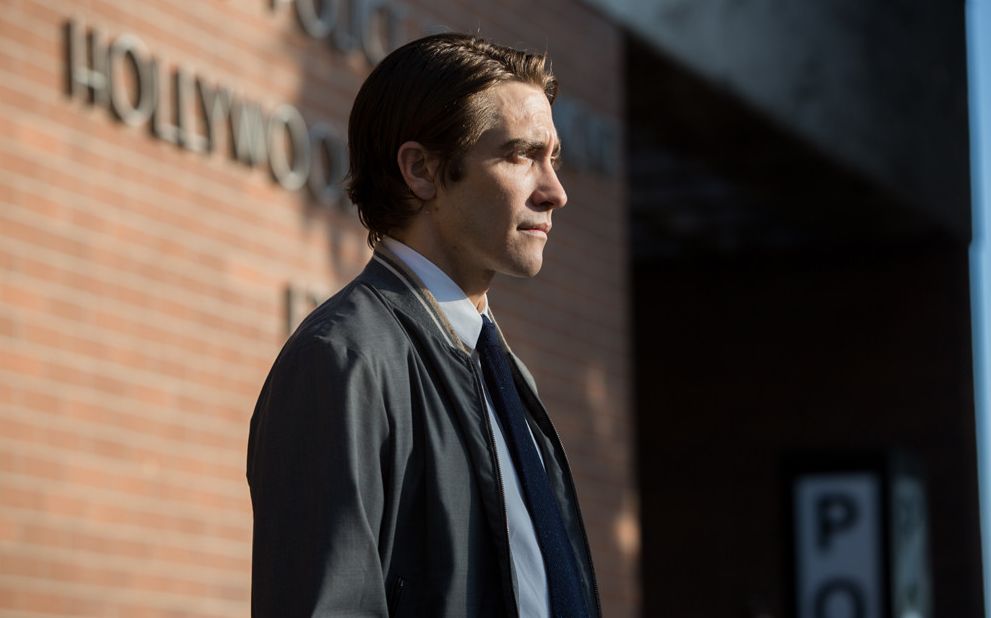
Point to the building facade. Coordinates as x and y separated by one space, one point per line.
170 206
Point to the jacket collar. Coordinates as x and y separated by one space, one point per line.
404 289
455 305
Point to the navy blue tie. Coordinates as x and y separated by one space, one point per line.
563 581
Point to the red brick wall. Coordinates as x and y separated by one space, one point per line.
141 303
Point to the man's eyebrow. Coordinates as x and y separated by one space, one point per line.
531 145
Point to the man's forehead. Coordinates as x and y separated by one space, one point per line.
521 101
521 112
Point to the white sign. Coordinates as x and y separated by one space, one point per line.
838 553
912 594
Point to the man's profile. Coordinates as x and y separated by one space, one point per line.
400 461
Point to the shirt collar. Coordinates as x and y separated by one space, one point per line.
465 319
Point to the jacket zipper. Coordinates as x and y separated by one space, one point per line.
480 392
397 595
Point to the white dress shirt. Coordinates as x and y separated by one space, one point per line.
528 563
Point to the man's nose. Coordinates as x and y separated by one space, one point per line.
550 192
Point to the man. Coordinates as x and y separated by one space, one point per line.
400 462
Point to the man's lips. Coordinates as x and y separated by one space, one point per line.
536 228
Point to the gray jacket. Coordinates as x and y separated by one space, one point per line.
372 466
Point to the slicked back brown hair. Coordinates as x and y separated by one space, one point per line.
426 91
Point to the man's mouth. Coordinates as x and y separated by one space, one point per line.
537 229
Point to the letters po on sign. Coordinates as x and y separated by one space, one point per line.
838 545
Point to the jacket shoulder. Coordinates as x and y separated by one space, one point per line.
355 321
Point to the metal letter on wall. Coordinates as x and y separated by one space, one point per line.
377 24
287 125
184 87
328 164
373 26
248 132
86 64
215 105
127 50
162 126
318 17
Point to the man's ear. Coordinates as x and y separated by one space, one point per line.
418 167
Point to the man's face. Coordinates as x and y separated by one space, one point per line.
497 217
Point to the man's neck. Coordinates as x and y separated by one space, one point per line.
474 284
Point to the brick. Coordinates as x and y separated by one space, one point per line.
141 304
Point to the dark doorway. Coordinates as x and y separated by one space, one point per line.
783 303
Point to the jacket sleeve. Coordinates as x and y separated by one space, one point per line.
315 474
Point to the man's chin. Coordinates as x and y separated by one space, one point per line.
525 270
